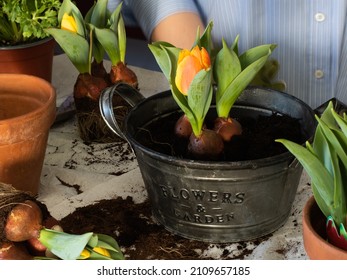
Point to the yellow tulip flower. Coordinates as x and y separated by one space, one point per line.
68 23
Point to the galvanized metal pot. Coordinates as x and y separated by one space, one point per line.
215 201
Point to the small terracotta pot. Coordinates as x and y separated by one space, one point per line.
27 110
314 234
31 59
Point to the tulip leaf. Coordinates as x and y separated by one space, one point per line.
322 180
341 122
235 88
98 17
226 68
122 40
63 245
321 149
254 54
88 16
162 59
205 40
114 18
336 140
75 46
326 164
109 242
98 49
105 242
116 24
200 97
235 45
109 41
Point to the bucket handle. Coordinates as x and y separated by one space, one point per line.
128 93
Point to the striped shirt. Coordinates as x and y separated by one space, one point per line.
311 36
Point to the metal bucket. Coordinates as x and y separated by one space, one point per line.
215 201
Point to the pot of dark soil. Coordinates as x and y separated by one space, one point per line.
247 194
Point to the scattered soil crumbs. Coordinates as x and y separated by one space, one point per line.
139 236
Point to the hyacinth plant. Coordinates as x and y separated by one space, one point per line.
86 41
325 161
192 75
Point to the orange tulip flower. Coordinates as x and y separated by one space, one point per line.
188 65
69 23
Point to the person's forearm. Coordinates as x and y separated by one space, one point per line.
178 29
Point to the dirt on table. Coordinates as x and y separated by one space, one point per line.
139 236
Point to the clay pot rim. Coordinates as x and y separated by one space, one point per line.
27 45
46 106
306 217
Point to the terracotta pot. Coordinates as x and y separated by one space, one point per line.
316 246
32 59
27 110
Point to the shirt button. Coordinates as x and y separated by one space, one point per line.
319 74
319 17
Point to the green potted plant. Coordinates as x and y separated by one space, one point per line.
86 41
325 161
24 45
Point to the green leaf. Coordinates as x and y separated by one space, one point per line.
65 246
333 137
88 16
233 91
108 39
114 18
199 98
322 180
106 242
161 56
254 54
342 122
321 149
327 116
206 38
98 49
75 47
226 68
93 241
122 39
235 45
99 14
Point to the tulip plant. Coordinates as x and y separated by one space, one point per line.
87 246
28 231
192 74
83 39
325 161
86 41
